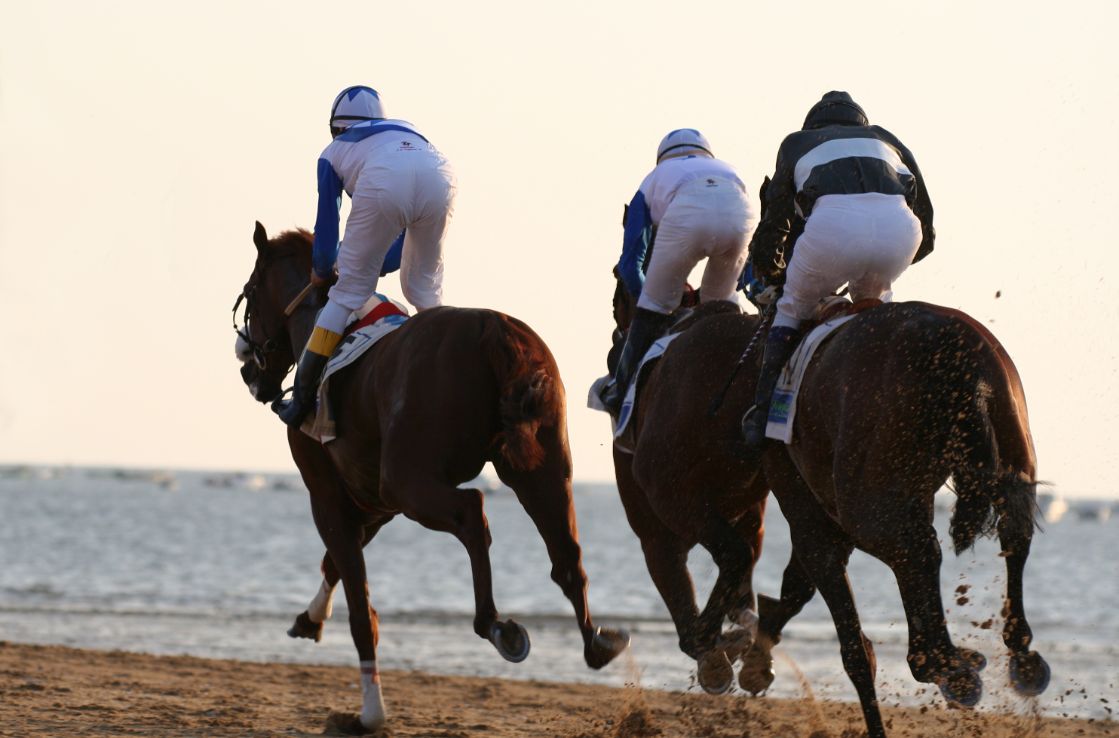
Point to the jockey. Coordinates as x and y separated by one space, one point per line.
866 216
402 191
698 208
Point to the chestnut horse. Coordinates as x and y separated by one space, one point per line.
685 483
898 400
420 413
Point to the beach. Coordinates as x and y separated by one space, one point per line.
56 691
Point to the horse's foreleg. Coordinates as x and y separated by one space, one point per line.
731 596
309 623
340 525
773 615
545 494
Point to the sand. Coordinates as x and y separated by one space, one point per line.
58 691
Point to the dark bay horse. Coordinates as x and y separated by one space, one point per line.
900 399
685 484
417 415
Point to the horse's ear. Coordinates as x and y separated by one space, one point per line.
761 193
260 237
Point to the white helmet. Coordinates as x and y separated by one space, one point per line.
353 105
682 142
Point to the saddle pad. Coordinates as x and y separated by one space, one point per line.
594 397
782 409
375 320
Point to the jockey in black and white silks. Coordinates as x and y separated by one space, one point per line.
866 217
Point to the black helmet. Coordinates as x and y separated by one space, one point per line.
835 108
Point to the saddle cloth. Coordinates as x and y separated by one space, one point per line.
783 406
594 397
379 316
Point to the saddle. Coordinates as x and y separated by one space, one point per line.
834 306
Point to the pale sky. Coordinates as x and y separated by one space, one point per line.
139 142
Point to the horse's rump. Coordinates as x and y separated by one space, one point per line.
530 391
940 396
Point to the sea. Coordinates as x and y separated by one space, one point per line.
217 564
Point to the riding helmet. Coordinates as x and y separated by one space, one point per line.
835 108
683 142
353 105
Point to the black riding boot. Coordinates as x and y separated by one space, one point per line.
307 375
646 327
779 345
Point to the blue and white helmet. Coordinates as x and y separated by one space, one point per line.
353 105
683 142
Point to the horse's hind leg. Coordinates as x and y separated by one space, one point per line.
822 549
1029 674
915 560
309 623
545 494
666 558
440 506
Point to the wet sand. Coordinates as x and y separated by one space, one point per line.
57 691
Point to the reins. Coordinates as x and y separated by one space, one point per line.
763 324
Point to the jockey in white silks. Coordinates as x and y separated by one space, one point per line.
697 207
402 194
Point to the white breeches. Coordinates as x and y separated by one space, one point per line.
409 189
709 218
865 240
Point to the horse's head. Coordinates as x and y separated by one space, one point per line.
265 345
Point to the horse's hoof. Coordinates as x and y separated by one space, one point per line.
973 658
510 640
348 723
962 687
756 676
304 627
715 673
1029 674
605 645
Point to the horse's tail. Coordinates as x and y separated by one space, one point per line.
529 393
994 465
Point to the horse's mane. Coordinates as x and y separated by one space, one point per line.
292 242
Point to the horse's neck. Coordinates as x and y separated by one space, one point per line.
300 325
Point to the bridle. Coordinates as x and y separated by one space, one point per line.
260 351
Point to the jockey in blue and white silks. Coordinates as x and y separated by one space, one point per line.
854 193
402 195
698 208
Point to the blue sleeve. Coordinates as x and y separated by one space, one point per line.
392 258
326 221
635 244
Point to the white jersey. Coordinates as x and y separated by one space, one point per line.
662 184
372 142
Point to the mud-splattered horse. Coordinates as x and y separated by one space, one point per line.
898 400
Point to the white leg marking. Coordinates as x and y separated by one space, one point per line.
322 606
372 705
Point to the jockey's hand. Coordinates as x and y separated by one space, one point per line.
318 281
